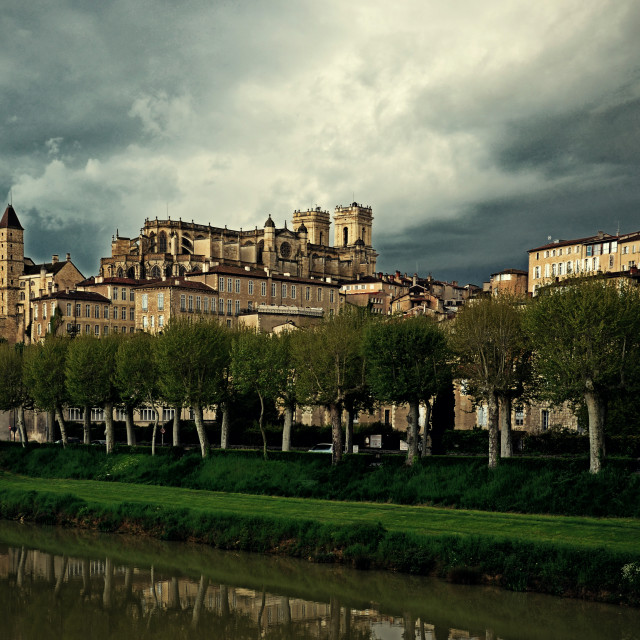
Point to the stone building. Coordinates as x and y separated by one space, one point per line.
601 253
21 280
510 281
122 293
73 313
175 247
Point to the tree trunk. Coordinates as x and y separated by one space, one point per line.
224 431
506 446
203 585
412 433
128 420
426 434
202 436
336 432
492 423
86 424
286 431
51 426
108 426
596 409
21 427
61 424
108 583
176 426
261 425
348 433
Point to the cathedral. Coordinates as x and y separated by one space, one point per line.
167 248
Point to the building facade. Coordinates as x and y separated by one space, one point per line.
167 248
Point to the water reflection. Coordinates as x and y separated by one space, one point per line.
56 584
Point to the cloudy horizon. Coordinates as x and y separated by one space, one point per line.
474 130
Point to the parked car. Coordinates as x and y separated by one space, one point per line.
99 442
322 447
70 441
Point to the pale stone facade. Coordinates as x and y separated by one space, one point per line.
514 282
174 247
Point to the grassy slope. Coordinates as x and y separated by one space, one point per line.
617 535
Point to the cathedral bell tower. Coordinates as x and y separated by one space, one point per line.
352 223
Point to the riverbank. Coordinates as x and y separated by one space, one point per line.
581 557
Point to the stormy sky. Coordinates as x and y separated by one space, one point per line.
475 130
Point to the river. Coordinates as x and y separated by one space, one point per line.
70 584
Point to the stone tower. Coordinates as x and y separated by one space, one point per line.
317 223
352 223
11 268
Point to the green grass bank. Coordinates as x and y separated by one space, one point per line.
583 557
522 485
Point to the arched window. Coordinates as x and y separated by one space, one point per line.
120 272
162 242
320 238
131 272
182 270
156 274
260 250
168 271
345 236
285 250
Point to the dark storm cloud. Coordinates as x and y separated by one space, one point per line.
61 235
475 130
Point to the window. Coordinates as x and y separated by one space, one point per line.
145 302
97 415
105 330
250 286
331 295
206 304
250 305
560 268
319 294
87 329
69 328
145 323
229 306
198 303
87 311
546 254
519 416
96 330
237 307
106 312
183 302
294 291
553 269
75 414
229 285
237 285
536 273
160 322
132 296
190 307
220 305
96 312
161 302
114 293
263 289
68 308
167 414
153 321
481 417
284 291
124 294
544 419
123 314
115 329
547 270
273 289
560 251
590 250
553 253
569 267
78 310
39 329
147 414
132 314
220 284
568 250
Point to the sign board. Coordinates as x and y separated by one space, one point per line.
375 442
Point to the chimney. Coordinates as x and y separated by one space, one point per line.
54 258
415 279
68 257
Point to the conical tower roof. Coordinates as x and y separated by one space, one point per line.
10 219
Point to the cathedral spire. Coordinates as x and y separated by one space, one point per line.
10 219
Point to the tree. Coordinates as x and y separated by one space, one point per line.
13 392
44 376
330 366
407 362
586 339
258 365
135 378
192 358
90 371
494 357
